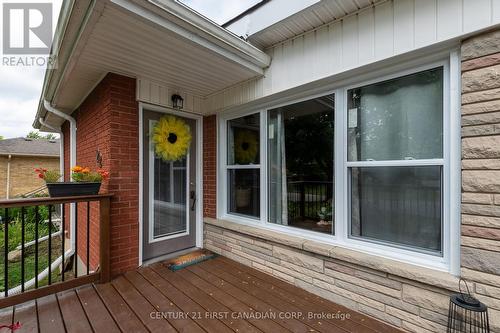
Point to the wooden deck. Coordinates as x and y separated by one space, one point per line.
218 296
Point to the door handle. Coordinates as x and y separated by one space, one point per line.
192 196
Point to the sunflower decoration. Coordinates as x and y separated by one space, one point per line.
172 138
246 146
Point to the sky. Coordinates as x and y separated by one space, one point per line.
20 87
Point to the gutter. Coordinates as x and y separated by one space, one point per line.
49 86
72 160
61 144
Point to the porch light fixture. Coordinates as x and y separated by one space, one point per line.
466 313
177 101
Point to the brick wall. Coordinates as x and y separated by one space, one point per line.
108 122
22 176
209 166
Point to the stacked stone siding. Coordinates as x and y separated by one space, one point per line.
480 251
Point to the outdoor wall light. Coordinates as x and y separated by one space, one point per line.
466 314
177 101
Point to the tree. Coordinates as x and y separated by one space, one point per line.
1 137
36 135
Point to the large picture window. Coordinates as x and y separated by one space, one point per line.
400 121
366 166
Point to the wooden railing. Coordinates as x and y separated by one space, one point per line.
35 216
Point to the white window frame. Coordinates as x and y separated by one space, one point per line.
223 176
451 161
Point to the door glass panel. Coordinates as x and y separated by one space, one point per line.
170 212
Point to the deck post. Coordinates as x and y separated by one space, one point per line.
104 238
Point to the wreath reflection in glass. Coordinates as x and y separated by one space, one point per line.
246 147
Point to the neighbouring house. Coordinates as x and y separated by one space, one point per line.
18 159
348 147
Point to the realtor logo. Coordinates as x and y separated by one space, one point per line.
27 28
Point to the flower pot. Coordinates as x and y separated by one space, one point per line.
69 189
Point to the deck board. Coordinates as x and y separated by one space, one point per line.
230 304
119 310
72 311
26 314
185 303
49 315
6 316
212 296
269 298
97 313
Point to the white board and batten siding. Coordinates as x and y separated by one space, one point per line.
159 94
373 34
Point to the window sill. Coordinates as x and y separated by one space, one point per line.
413 272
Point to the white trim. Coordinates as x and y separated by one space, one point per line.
199 169
200 31
450 162
223 168
455 160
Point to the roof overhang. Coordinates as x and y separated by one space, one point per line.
161 40
271 22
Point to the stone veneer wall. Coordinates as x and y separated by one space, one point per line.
480 251
399 294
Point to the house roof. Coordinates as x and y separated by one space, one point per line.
273 21
161 40
30 147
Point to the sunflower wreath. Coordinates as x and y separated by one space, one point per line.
246 147
172 138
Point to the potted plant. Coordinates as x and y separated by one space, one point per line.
84 181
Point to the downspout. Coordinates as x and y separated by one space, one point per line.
61 144
72 159
7 192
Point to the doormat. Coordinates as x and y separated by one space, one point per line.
189 259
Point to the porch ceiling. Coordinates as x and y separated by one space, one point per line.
158 40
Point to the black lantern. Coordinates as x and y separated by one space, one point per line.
177 101
466 313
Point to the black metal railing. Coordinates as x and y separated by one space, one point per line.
306 198
30 268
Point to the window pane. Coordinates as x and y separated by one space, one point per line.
300 157
400 205
244 191
397 119
170 210
243 140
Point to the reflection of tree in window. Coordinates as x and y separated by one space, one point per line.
301 164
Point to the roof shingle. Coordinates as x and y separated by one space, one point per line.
23 146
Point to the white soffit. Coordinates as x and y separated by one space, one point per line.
279 20
138 38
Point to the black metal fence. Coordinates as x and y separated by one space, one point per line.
306 198
36 252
